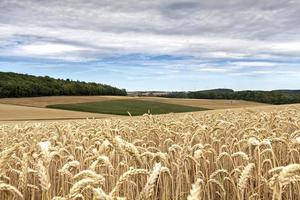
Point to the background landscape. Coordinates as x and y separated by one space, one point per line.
149 100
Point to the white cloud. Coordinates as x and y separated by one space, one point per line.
204 31
48 49
287 47
213 69
258 64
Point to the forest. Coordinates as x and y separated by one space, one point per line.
23 85
271 97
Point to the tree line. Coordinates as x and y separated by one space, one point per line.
23 85
271 97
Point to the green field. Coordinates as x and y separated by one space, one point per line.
122 107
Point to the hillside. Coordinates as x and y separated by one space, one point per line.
23 85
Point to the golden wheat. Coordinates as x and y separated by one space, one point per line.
227 155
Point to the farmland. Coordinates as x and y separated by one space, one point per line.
204 103
34 108
149 100
231 154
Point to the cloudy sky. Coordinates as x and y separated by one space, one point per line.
157 44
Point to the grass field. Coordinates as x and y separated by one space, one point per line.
221 154
122 107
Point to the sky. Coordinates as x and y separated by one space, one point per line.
155 45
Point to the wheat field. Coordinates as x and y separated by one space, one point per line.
244 154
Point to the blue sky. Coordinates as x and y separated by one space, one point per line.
155 45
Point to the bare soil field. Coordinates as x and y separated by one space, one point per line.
203 103
14 112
